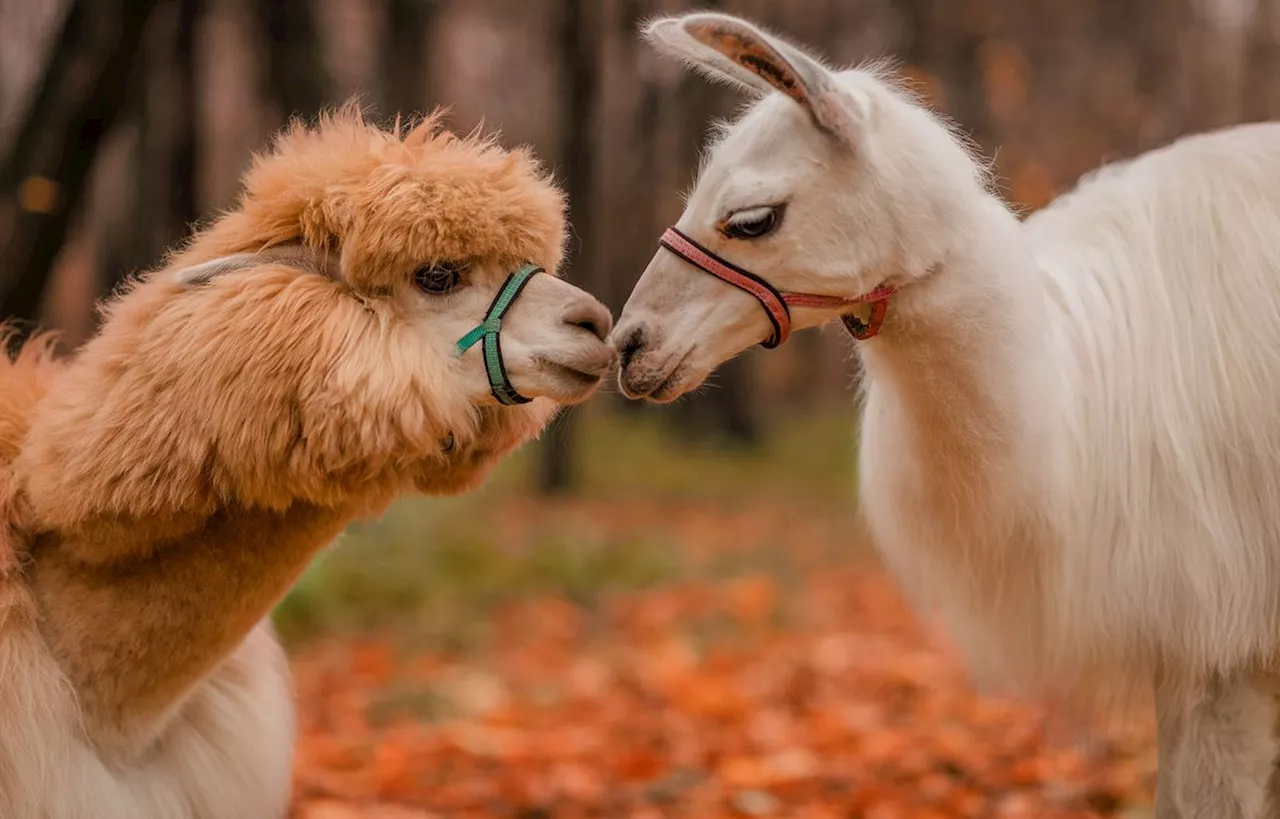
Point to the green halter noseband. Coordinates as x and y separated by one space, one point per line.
490 329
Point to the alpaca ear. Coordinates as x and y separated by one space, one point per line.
732 46
206 272
293 255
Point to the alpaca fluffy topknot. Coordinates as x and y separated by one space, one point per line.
388 199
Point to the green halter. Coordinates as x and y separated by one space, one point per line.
489 330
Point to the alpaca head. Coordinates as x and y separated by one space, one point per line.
832 184
404 240
305 344
425 227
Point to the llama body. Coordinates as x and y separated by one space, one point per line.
1116 509
1070 443
291 369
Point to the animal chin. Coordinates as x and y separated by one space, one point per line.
661 384
675 385
465 465
569 385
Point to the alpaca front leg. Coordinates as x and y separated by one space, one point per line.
1224 753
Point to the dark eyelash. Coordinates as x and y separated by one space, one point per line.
768 223
439 278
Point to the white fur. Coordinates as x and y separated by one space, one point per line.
225 754
1071 436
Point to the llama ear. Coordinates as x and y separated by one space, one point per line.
769 62
669 37
292 255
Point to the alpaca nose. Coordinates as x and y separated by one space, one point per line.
590 315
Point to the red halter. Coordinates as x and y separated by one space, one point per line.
775 304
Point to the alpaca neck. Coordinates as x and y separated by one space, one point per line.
954 380
136 636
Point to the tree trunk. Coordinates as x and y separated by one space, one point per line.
184 199
1262 66
725 410
164 204
403 65
294 81
82 90
945 43
579 39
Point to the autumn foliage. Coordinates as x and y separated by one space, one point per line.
792 683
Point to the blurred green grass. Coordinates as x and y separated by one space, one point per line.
438 566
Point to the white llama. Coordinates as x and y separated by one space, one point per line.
1071 435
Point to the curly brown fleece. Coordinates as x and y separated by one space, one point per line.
163 487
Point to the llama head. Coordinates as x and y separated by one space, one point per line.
831 183
305 344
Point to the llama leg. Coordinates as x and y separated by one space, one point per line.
1273 793
1225 751
1169 726
1273 785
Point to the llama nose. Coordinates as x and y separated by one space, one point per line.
631 343
590 315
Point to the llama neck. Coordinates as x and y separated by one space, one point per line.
955 377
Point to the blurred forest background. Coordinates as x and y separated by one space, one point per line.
651 612
123 122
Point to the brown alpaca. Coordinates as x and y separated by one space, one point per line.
291 369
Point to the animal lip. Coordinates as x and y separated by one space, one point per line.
588 367
573 373
655 381
669 385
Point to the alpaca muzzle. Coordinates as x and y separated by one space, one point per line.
489 333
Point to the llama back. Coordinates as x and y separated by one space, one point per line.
1165 273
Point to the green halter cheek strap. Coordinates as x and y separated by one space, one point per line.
490 331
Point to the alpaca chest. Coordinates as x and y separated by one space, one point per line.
225 755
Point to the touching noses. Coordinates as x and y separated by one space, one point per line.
589 314
629 343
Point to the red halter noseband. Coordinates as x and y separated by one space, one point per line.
775 304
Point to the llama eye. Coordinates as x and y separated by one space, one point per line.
438 278
752 223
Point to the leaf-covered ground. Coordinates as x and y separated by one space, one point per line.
670 651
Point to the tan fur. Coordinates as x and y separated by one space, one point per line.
24 377
163 488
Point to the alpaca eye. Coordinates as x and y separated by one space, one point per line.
752 223
438 278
